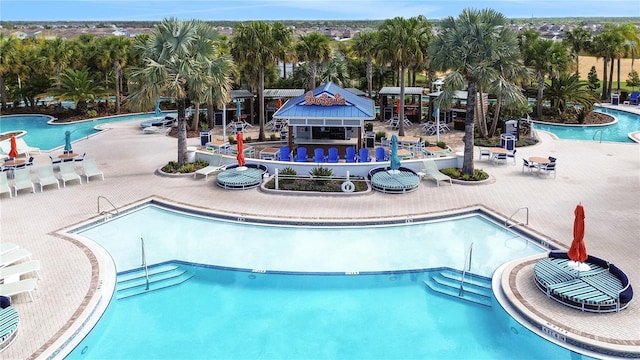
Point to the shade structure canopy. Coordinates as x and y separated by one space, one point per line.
14 148
578 251
240 146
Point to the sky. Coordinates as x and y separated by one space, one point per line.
123 10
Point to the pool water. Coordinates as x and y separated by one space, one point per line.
618 132
305 307
42 135
222 314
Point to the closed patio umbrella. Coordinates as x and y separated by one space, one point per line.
395 160
578 251
67 142
14 148
279 103
158 112
240 156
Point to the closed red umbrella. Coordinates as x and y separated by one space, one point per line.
398 106
240 156
578 250
14 148
279 103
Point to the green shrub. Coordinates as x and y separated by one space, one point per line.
380 135
186 168
247 139
92 113
451 172
273 137
368 126
441 144
288 171
289 175
322 173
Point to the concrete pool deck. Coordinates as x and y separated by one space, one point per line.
604 177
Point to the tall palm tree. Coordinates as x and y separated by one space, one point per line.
313 48
259 43
630 45
180 61
469 46
405 42
578 41
567 88
9 60
364 46
115 52
283 39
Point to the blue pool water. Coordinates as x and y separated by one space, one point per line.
237 314
46 137
618 132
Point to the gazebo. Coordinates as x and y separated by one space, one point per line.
412 108
328 116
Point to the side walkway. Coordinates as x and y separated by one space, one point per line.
605 178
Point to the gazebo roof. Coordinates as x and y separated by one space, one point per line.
327 102
240 94
282 93
396 90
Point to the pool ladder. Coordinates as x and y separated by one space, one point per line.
467 267
110 212
506 222
596 133
144 265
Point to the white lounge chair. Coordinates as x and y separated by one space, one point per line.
89 169
68 173
214 166
15 271
14 256
6 246
23 148
4 184
22 180
431 170
19 287
46 177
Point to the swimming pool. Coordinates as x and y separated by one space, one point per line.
618 132
281 291
47 136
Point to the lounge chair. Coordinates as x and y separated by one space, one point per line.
333 156
431 170
363 155
318 155
13 256
7 246
19 287
55 161
46 177
301 155
214 166
23 148
350 155
633 98
9 322
22 180
4 184
68 173
80 158
15 271
90 169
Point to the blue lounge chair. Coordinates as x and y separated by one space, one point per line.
318 155
285 154
633 98
333 156
301 155
350 155
381 155
363 155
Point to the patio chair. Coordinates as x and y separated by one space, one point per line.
350 155
431 170
318 155
285 153
633 98
68 173
90 169
381 155
80 158
484 153
54 161
27 163
46 177
512 154
333 156
4 184
527 165
363 155
301 155
22 180
549 167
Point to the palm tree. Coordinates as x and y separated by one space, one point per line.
313 48
630 46
405 42
364 46
180 61
335 70
283 39
77 86
114 54
469 47
259 43
568 88
578 41
9 49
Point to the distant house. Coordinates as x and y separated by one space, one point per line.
21 35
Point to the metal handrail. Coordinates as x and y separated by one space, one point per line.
110 203
506 222
596 133
467 267
144 264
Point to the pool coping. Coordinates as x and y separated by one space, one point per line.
103 277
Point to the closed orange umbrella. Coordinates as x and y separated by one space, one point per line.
240 156
279 103
578 251
398 106
14 148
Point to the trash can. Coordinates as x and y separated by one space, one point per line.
511 127
615 99
205 137
370 139
191 154
507 141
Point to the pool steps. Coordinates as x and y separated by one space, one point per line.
160 277
447 282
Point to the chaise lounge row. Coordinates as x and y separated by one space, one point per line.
603 288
